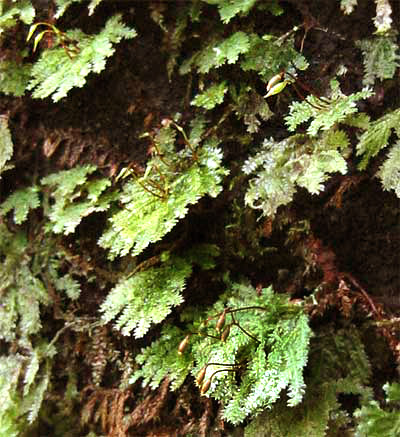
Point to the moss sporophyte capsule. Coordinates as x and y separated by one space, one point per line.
274 80
276 89
183 345
205 386
221 321
225 333
200 376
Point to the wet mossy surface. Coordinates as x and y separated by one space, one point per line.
354 221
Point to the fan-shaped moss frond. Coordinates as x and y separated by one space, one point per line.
381 58
390 170
228 9
147 297
324 114
21 201
268 55
69 286
377 135
375 421
10 11
211 97
274 354
32 373
276 364
22 293
161 359
65 182
252 107
62 6
57 71
14 77
75 197
265 340
337 365
218 53
146 217
297 160
6 144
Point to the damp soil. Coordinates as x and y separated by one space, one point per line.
103 122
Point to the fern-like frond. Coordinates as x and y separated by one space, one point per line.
35 398
146 218
62 6
390 170
57 71
20 290
309 419
252 107
75 197
6 144
14 77
10 368
10 422
337 365
297 160
218 53
268 55
32 369
268 342
282 367
25 372
373 421
36 378
32 373
377 135
147 297
229 8
21 201
382 20
381 58
69 286
339 356
161 359
20 309
211 97
203 255
324 115
18 9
